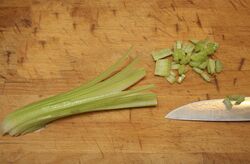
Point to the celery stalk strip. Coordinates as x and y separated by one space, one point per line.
106 92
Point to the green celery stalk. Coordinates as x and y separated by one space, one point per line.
162 67
116 87
161 54
102 93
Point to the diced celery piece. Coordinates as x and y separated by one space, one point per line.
178 44
175 65
201 45
240 100
211 47
162 67
237 98
211 66
194 63
197 70
203 65
228 103
172 73
218 66
171 79
161 54
186 59
181 78
200 56
194 41
205 76
178 55
182 69
188 48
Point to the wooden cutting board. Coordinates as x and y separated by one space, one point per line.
47 47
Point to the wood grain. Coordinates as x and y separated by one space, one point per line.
51 46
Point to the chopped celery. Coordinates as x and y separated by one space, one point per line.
182 69
185 60
196 54
201 45
237 98
172 73
178 55
175 65
197 70
194 63
162 67
200 56
205 76
211 66
194 41
211 48
218 66
171 79
188 48
228 103
161 54
178 44
203 65
181 78
240 100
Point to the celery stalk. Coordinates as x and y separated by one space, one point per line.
102 93
162 67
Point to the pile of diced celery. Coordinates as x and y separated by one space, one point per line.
173 64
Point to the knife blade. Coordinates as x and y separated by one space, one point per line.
212 110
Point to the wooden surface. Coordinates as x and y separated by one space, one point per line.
47 47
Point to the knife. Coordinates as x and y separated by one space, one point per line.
212 110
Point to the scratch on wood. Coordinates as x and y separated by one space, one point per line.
235 81
242 61
207 96
198 21
191 2
159 20
26 47
56 14
242 4
177 27
17 27
74 26
165 32
26 23
3 77
216 83
124 3
180 18
42 42
35 31
40 18
223 37
8 53
173 7
83 41
140 143
145 38
155 29
99 149
114 12
130 115
232 3
92 28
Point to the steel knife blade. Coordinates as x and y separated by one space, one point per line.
212 110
